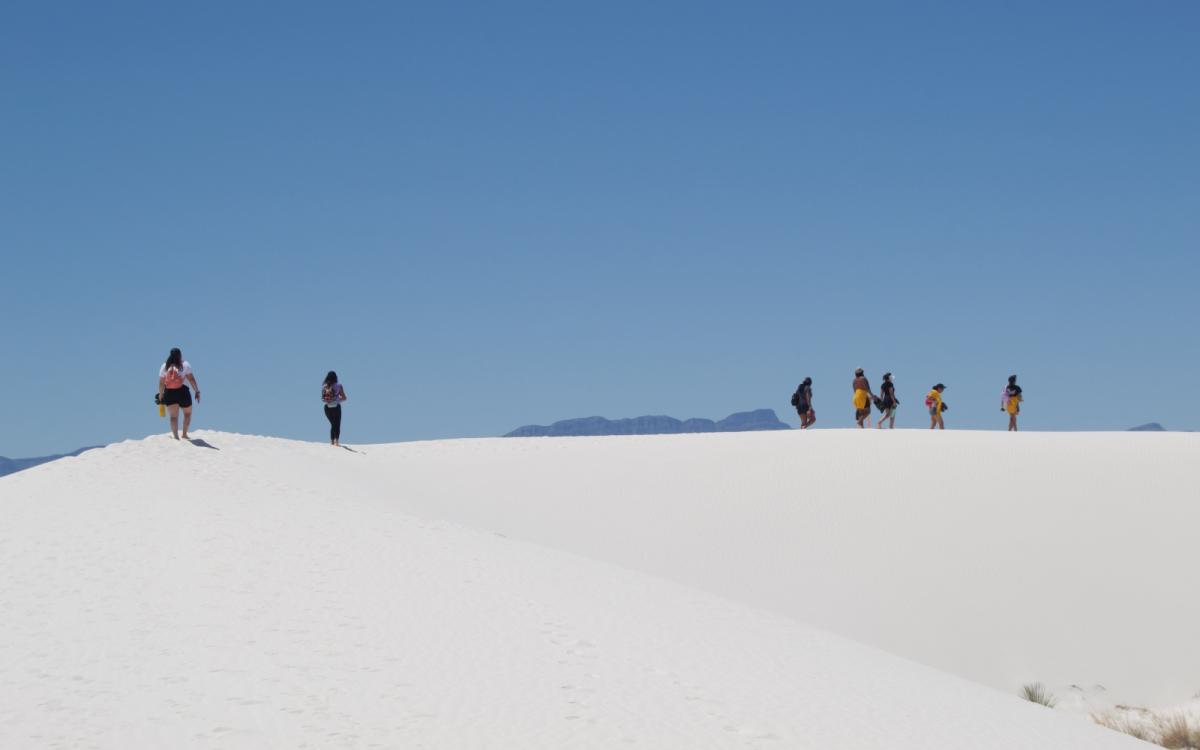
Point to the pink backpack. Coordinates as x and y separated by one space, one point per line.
173 378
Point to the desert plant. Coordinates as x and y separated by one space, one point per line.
1123 725
1175 733
1036 692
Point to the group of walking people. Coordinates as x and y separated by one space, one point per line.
887 402
176 373
174 396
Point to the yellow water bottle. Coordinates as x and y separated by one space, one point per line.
162 409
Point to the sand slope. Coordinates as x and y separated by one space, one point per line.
1067 558
267 593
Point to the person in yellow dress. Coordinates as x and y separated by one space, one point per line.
933 400
862 398
1012 402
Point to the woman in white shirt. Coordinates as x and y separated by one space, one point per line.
174 393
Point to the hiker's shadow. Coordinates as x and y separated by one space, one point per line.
352 450
203 444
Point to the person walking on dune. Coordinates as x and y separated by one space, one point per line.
802 400
887 402
862 398
1010 402
933 400
173 391
332 396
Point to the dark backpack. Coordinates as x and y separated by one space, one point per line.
800 398
328 394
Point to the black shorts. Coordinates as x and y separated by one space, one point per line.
181 396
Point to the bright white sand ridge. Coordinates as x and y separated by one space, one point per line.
266 593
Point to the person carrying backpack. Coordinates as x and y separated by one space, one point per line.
887 402
862 398
1010 402
173 392
332 396
933 400
802 400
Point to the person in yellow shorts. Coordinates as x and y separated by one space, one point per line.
862 398
1011 402
933 400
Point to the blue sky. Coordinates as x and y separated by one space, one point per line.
487 216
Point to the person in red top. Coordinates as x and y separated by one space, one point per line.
173 393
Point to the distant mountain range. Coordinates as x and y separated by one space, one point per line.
744 421
13 465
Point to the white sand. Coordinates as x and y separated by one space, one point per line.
275 594
1066 558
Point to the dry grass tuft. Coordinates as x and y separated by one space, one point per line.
1124 726
1036 692
1175 733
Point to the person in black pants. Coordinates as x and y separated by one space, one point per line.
887 402
332 395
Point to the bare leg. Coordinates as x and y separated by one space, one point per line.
174 409
1012 422
892 420
187 420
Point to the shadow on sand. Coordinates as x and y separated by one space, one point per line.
352 450
202 444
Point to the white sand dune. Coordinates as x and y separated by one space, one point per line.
266 593
1066 558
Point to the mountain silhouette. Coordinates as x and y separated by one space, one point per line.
13 465
744 421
